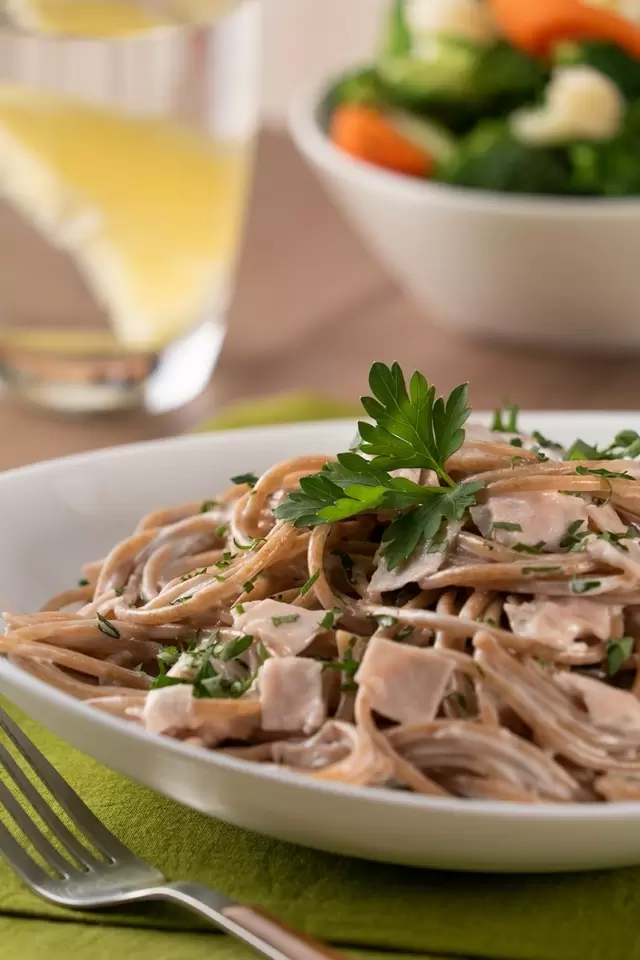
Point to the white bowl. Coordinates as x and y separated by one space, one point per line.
552 271
56 516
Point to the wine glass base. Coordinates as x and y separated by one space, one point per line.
101 378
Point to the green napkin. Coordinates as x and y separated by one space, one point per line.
364 907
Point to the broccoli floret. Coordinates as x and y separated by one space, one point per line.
461 72
610 169
359 86
490 159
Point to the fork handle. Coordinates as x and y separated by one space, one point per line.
253 926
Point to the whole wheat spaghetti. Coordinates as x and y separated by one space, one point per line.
470 630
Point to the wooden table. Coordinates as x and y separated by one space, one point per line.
313 310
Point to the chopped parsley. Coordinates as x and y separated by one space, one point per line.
504 525
208 505
329 618
194 573
249 479
601 472
179 600
527 570
169 656
233 649
385 620
83 582
105 626
247 586
506 420
222 530
530 547
119 591
543 441
516 442
348 665
574 536
618 652
584 586
287 618
304 589
239 608
404 633
252 545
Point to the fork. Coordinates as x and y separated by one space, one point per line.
116 876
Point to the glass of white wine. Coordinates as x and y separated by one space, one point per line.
126 133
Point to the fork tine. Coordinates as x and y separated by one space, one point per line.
95 832
32 832
20 860
38 802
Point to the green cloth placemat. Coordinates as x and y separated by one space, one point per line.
35 939
352 903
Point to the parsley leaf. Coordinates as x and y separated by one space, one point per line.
287 618
423 524
83 582
618 651
208 505
412 428
504 525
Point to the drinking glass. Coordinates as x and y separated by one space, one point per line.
126 132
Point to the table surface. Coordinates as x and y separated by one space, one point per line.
313 309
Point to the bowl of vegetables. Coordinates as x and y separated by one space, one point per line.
490 156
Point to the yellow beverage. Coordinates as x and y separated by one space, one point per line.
108 18
147 204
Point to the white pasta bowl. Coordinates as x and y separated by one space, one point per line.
552 271
58 515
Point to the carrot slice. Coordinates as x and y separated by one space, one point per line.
365 133
535 26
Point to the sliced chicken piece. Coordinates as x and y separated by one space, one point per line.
291 695
565 619
530 518
404 683
284 629
423 562
608 707
169 708
174 710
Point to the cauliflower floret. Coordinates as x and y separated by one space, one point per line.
581 104
459 19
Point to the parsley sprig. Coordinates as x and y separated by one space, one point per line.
412 428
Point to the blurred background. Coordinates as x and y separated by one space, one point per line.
311 307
